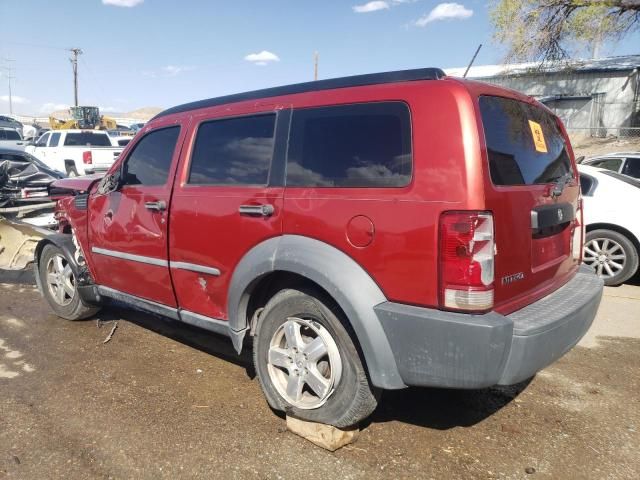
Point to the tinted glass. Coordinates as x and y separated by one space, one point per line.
42 142
150 160
87 139
55 139
586 183
235 151
10 135
524 144
608 164
632 167
364 145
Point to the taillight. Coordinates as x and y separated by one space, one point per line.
466 261
87 158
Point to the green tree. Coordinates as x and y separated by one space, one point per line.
556 29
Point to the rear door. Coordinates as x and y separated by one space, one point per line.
527 156
227 199
128 227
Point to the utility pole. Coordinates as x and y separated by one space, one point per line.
315 65
74 63
10 77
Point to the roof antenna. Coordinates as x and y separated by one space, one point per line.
471 62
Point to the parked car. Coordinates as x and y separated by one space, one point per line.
612 241
76 152
627 163
10 122
369 233
11 138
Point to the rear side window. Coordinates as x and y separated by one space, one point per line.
9 135
55 139
87 139
150 160
524 144
234 151
362 145
632 167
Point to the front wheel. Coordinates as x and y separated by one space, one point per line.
612 255
59 286
307 363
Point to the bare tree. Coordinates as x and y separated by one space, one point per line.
554 29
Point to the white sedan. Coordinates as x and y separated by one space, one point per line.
611 202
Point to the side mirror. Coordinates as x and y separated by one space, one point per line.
109 183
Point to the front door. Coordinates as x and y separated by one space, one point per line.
128 227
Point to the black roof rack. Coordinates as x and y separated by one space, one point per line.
329 84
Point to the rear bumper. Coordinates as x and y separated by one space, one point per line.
94 170
456 350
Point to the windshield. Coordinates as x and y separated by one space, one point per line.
524 144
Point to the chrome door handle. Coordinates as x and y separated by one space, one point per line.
158 206
257 210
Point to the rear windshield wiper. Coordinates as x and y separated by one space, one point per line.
561 182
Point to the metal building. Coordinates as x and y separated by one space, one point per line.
595 97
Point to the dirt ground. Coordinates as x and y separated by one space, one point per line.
162 400
592 146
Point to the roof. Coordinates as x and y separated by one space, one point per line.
318 85
608 64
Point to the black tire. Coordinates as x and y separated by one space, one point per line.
71 171
353 398
630 265
72 307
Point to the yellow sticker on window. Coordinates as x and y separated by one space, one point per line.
538 136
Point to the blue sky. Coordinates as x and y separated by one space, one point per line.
166 52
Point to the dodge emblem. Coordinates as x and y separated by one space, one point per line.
560 214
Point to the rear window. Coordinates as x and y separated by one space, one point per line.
524 144
362 145
87 139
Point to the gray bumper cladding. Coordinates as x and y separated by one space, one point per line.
445 349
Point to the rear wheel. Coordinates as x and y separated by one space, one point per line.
72 171
59 285
307 363
612 255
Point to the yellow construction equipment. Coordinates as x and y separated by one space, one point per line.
85 118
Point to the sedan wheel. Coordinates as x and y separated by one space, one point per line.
605 256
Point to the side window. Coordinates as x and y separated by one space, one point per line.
150 160
632 167
612 164
55 139
234 151
42 142
361 145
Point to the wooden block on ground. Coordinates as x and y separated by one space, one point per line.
325 436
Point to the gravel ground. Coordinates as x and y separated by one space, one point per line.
162 400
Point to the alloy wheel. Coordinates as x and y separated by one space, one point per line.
304 362
60 280
605 256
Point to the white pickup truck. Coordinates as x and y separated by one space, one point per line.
76 152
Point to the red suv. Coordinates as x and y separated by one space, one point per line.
369 233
